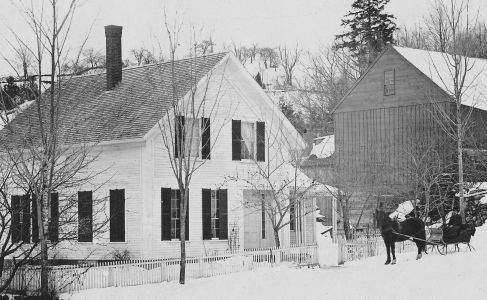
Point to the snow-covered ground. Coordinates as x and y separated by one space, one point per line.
454 276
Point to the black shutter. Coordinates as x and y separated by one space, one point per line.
54 224
205 138
206 208
165 214
35 225
26 219
178 136
117 215
223 214
236 139
260 141
15 228
85 217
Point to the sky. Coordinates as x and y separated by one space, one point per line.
310 24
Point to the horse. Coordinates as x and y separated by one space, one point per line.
393 231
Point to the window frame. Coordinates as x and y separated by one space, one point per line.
389 82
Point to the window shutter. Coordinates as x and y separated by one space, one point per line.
178 136
117 215
223 214
26 219
260 141
205 138
54 224
35 225
165 214
85 217
206 208
15 229
236 139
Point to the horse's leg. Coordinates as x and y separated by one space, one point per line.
393 249
388 249
420 245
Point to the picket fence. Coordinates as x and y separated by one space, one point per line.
65 279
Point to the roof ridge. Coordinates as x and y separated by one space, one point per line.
439 52
154 64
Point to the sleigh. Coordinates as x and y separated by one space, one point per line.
440 239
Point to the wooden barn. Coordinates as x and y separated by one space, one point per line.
398 109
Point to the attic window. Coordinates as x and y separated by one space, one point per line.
389 83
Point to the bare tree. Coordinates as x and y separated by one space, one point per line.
283 189
16 250
289 59
43 169
459 76
143 56
329 74
185 124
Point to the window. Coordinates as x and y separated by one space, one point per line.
214 208
117 215
248 140
263 216
85 216
192 137
389 83
175 202
171 215
292 216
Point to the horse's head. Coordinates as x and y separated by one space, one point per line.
381 217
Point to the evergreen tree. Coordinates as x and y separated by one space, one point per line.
370 29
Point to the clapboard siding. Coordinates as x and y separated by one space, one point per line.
143 167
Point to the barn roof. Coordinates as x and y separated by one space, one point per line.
439 68
91 113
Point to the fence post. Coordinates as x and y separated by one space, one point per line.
277 254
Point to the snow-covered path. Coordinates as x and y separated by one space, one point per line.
456 276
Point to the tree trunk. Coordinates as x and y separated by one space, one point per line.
346 220
460 163
276 238
184 205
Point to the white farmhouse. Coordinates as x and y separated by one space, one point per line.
121 116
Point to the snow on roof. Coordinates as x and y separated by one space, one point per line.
8 116
325 148
438 67
403 209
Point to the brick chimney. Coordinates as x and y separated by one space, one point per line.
113 36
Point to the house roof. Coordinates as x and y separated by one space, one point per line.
90 113
325 146
438 67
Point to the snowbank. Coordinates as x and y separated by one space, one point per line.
451 277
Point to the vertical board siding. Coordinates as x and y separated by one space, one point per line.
375 146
